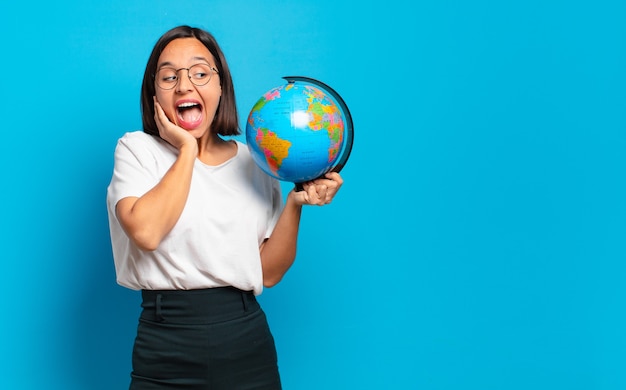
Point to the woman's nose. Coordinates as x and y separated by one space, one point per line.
184 83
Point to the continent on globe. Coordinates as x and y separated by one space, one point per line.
274 148
326 117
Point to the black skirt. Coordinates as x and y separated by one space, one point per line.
214 339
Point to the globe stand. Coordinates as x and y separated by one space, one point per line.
348 130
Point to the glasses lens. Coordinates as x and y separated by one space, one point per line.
200 74
166 78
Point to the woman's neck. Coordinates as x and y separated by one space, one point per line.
214 150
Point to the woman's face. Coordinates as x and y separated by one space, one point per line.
186 104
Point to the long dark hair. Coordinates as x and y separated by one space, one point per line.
226 121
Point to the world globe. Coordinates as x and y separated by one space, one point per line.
298 131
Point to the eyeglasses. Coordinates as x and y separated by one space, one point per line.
199 74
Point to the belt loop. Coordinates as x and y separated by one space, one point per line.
244 298
159 316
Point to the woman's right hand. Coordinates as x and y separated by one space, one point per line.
175 135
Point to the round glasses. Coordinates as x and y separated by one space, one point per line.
199 74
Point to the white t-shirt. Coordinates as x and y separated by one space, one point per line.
230 210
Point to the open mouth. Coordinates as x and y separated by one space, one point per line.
189 115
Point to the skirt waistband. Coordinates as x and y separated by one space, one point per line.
197 306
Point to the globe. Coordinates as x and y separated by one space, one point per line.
298 131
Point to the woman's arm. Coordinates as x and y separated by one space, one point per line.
147 219
278 252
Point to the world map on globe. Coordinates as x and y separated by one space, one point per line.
295 132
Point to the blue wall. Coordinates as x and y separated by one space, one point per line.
478 243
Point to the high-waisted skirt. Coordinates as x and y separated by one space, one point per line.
214 339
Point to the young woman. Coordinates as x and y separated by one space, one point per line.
198 227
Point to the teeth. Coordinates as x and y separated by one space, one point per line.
185 105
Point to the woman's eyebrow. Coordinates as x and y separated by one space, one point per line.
168 63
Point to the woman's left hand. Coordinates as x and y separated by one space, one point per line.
319 191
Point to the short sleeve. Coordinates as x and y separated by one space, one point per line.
135 169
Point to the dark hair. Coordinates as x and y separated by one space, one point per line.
226 120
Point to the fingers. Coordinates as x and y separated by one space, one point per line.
322 191
309 195
332 183
317 194
159 115
335 177
331 179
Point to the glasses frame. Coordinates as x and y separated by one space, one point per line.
194 82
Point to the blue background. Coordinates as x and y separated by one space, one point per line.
478 242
